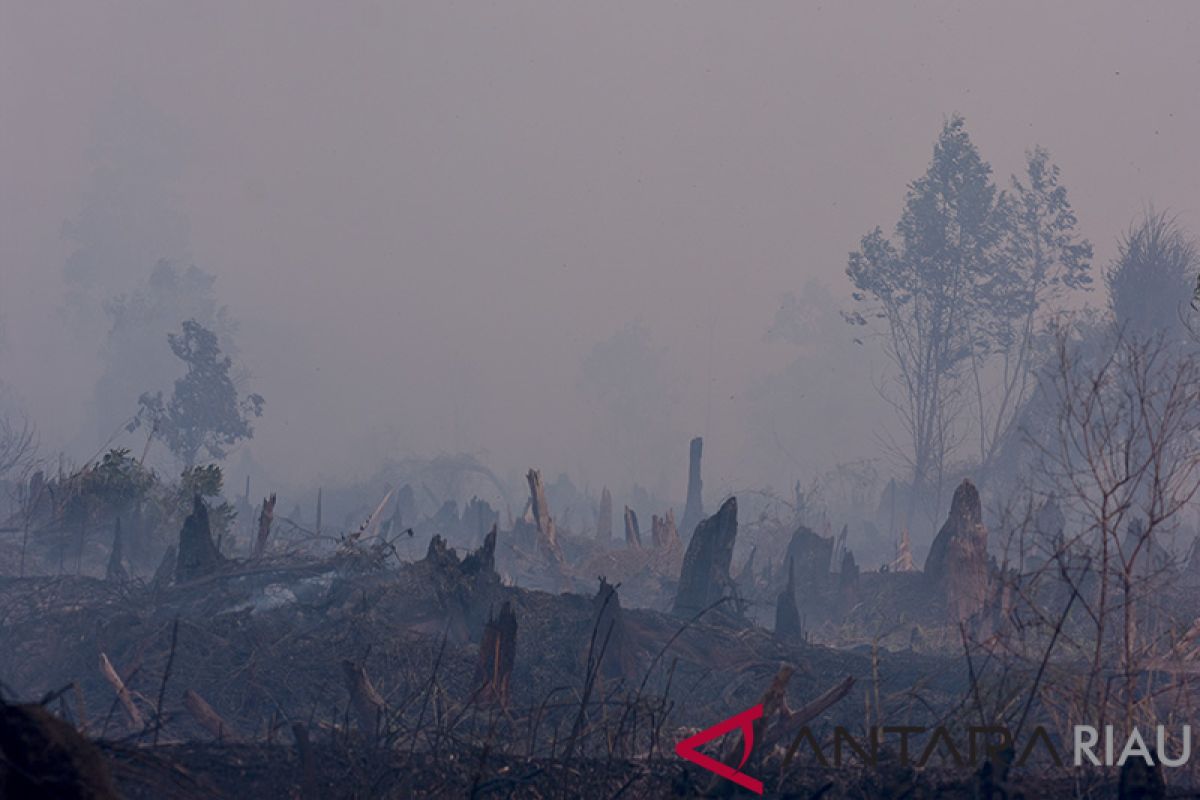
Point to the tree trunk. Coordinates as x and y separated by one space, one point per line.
369 706
116 558
604 517
547 538
693 510
265 518
633 534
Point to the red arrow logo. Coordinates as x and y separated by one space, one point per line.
744 721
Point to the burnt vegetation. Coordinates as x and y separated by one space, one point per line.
1022 556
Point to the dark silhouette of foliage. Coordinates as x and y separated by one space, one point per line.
1153 276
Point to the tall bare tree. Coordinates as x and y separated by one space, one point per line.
18 444
1122 455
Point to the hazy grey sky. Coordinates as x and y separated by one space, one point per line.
426 214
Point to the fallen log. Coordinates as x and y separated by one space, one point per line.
778 722
209 719
114 680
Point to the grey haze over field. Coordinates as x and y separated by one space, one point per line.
552 234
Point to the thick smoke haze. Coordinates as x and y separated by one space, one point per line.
550 234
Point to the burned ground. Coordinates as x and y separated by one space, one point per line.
356 672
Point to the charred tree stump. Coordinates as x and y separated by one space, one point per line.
633 534
704 578
116 557
958 562
610 643
466 589
787 616
604 517
663 533
547 539
265 518
198 554
497 654
693 509
368 704
813 555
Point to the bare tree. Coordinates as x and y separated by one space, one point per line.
18 444
1122 455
